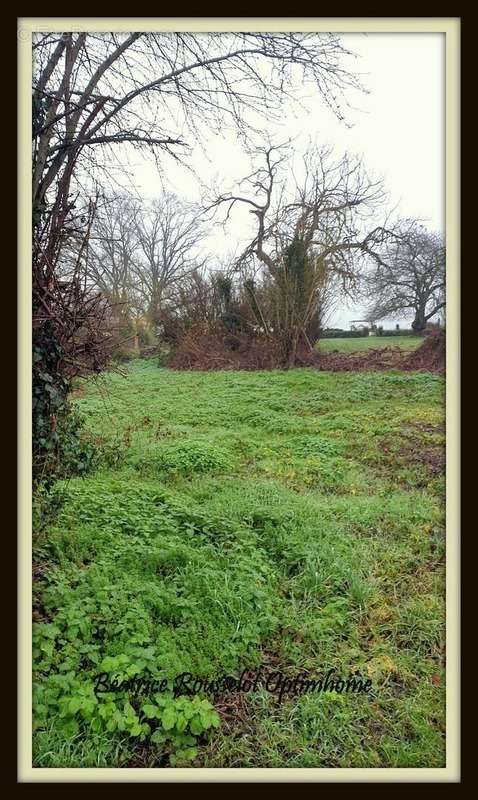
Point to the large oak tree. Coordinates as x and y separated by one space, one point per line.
408 276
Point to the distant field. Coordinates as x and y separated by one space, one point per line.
352 345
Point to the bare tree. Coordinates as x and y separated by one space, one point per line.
408 277
310 241
168 235
113 246
139 252
98 89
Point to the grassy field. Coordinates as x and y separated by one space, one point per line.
292 521
352 345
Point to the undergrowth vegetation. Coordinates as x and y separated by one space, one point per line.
237 520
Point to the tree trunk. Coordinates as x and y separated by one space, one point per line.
419 323
290 349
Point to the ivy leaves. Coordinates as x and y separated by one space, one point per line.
58 447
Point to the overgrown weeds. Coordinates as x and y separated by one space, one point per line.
240 519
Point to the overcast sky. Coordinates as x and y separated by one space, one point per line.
398 128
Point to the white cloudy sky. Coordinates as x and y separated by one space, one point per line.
398 128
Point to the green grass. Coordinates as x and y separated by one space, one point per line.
293 520
353 345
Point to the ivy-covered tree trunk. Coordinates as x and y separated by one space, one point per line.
295 286
50 394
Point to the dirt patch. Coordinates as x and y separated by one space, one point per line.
431 457
416 450
416 454
421 445
235 713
